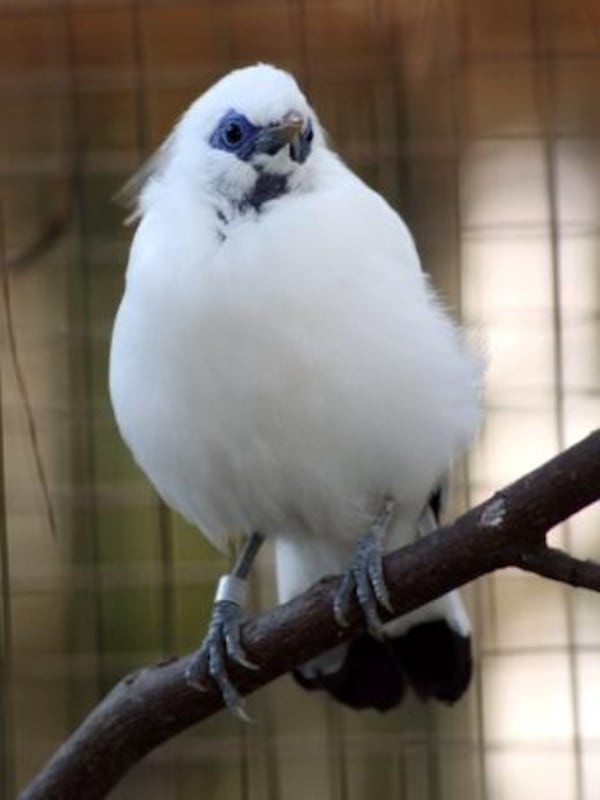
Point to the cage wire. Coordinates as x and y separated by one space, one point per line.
479 122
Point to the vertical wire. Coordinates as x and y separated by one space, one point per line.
544 88
244 770
79 366
482 585
429 23
7 774
432 753
298 14
338 754
165 526
165 529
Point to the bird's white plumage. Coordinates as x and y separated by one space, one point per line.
285 372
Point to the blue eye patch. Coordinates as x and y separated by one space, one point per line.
235 134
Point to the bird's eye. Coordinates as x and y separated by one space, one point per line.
233 133
310 134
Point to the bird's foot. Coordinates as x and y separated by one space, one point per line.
364 578
222 643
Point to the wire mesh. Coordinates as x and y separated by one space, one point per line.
479 122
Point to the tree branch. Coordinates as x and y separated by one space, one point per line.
155 703
551 562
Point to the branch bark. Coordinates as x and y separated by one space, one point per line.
150 706
553 563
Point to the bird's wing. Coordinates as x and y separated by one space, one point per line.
130 195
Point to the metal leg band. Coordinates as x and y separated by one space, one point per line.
231 588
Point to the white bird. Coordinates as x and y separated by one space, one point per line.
280 367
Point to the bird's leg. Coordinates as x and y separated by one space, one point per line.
365 578
222 640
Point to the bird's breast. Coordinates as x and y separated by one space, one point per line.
288 382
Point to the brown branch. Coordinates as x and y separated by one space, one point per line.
154 704
551 562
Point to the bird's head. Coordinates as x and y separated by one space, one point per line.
251 138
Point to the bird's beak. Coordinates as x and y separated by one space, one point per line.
273 138
290 128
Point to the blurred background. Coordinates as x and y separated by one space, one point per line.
479 121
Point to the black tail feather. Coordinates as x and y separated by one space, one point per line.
370 677
435 660
431 657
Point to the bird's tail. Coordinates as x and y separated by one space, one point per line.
428 650
431 657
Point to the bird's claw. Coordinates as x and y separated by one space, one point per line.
222 642
365 578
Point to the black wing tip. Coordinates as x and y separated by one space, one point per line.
431 657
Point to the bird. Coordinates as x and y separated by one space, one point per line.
281 368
